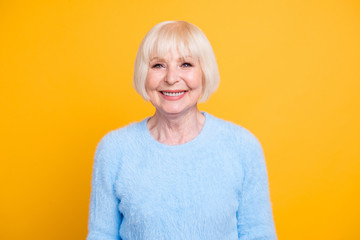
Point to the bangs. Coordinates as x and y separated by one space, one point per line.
170 38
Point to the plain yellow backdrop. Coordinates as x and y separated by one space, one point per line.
290 73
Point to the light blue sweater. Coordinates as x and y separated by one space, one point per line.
213 187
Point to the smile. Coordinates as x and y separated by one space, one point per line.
173 94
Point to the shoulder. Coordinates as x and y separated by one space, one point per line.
122 135
245 145
233 133
115 142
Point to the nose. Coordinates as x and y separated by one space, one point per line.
172 75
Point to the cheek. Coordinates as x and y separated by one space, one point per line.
150 82
149 88
153 79
196 80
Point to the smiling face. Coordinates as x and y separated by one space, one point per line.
174 83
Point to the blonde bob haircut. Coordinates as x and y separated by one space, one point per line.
188 40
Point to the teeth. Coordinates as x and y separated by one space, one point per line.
173 94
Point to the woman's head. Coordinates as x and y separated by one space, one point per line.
187 40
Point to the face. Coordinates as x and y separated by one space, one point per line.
174 83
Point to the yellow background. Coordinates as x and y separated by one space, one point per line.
290 73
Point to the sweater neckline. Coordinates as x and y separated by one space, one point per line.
198 140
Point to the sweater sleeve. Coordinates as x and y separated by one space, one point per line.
255 220
104 216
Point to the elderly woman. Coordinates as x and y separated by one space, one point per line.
180 174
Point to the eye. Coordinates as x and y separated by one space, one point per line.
157 65
186 64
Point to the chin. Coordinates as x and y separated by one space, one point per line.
177 110
172 111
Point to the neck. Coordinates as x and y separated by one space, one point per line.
176 129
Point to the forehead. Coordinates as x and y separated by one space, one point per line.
179 46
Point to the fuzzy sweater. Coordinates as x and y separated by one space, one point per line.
214 187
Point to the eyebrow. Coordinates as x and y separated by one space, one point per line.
155 58
180 58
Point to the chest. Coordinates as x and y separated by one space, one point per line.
155 185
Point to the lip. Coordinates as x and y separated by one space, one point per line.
173 98
173 91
